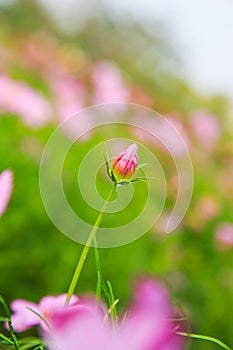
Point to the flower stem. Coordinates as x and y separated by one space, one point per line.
87 247
205 337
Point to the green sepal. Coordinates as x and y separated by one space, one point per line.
140 166
110 172
123 182
143 179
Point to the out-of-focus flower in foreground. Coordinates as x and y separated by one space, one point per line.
146 325
6 186
84 324
27 314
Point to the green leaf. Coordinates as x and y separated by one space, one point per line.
107 289
6 340
31 343
100 274
98 286
114 301
4 319
11 329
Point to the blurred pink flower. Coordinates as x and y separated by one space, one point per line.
207 207
126 163
146 326
69 96
170 130
38 50
180 128
224 236
23 318
205 127
16 97
108 84
140 97
6 186
143 134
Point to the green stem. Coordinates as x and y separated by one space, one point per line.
87 247
205 337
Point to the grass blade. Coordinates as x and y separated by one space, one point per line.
205 337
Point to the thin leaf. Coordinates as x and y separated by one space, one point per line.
205 337
143 178
124 319
98 286
99 271
107 289
140 166
188 323
40 316
4 319
34 346
11 329
7 340
34 340
109 169
177 319
139 180
106 153
113 303
110 310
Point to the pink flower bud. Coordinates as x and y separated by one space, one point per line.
126 163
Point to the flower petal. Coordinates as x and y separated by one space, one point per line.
6 185
49 304
149 315
23 318
80 325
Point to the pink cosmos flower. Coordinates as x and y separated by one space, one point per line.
69 98
6 186
205 127
24 318
16 97
224 236
176 122
108 84
145 327
208 207
126 163
69 95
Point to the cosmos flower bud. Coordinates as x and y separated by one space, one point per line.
126 163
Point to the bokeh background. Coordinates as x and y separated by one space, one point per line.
58 57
